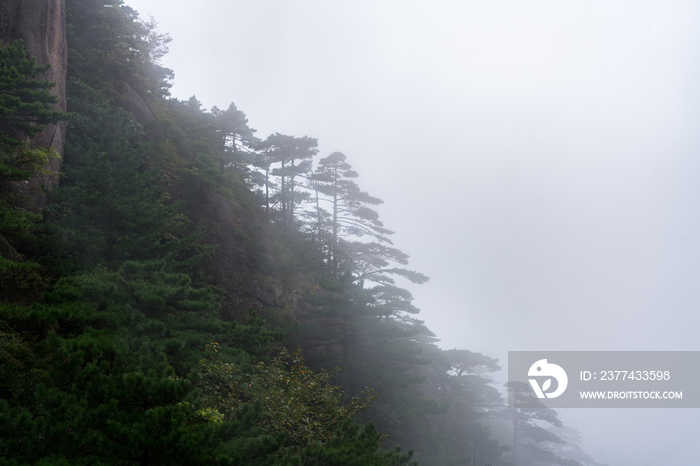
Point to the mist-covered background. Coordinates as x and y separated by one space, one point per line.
538 160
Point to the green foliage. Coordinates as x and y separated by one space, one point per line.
109 47
26 106
214 151
300 407
164 307
25 102
353 445
113 206
237 139
457 378
121 385
98 401
372 262
374 349
23 162
21 368
20 280
350 214
127 359
294 157
527 415
105 367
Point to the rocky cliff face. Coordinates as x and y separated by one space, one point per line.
139 107
243 266
230 267
41 24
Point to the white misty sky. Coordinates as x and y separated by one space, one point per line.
538 160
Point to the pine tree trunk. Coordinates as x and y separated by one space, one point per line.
283 200
345 383
318 219
267 194
335 223
515 430
291 196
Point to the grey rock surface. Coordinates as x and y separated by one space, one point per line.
41 24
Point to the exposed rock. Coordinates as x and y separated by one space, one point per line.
137 105
7 251
229 266
41 24
239 264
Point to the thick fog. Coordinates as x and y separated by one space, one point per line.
538 160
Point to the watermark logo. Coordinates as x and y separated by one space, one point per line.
604 379
544 369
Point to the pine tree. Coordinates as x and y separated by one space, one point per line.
238 140
294 157
113 206
342 309
302 406
351 217
356 446
109 48
26 106
348 213
347 329
460 379
527 414
364 329
121 387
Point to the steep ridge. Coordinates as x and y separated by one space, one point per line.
41 24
